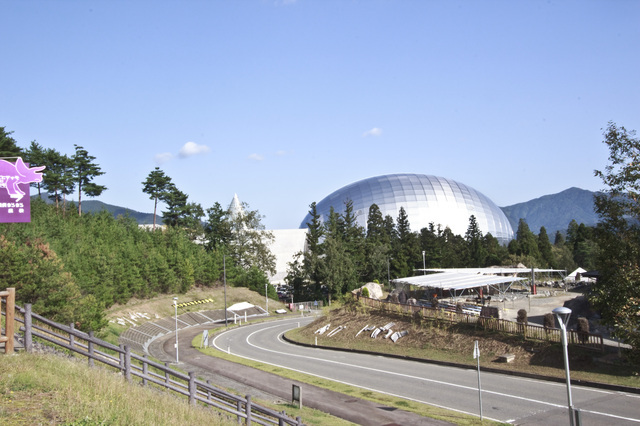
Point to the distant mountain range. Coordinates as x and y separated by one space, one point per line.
554 211
92 206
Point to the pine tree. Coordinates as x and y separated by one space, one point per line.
83 172
477 252
8 145
156 185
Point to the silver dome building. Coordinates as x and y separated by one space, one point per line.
425 199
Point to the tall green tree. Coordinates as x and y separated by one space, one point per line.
474 237
408 255
8 145
35 156
84 171
249 243
58 178
616 293
217 229
546 249
312 261
182 214
377 245
155 186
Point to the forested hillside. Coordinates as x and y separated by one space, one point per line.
72 267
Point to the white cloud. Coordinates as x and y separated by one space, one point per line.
191 148
373 132
256 157
163 158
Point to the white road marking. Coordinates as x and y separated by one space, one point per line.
355 366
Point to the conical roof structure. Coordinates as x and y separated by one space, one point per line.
235 208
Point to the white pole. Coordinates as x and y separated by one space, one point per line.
175 304
563 314
476 355
224 275
424 264
266 297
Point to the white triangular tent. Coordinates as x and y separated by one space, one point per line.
576 276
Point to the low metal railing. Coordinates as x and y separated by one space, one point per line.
135 367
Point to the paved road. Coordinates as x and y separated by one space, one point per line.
504 398
272 387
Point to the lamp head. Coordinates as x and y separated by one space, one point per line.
562 314
175 300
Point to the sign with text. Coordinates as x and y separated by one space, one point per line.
15 178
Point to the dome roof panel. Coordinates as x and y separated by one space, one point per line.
425 198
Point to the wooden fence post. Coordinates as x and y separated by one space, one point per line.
238 408
28 324
10 303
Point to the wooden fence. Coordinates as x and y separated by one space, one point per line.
9 298
529 331
143 370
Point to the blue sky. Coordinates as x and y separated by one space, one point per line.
285 101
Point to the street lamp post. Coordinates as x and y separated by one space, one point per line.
175 305
562 315
266 296
388 274
224 275
424 264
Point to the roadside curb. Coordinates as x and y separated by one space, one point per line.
586 383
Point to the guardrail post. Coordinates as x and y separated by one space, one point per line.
90 348
248 410
299 420
28 325
192 388
145 370
121 357
238 409
71 336
127 363
208 390
166 373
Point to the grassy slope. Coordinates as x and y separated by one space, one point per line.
29 394
48 389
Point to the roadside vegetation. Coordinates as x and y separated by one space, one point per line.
49 389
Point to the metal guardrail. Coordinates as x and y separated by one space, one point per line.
148 372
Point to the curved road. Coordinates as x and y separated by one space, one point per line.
504 398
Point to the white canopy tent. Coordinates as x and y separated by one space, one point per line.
457 282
